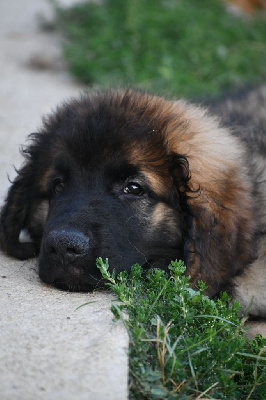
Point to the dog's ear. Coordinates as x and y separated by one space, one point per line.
215 194
20 207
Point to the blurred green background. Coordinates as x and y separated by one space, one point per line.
185 47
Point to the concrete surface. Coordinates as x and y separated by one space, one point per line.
47 349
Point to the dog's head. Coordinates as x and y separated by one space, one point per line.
134 178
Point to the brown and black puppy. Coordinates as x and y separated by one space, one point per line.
136 178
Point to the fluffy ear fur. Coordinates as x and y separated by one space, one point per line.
20 206
215 194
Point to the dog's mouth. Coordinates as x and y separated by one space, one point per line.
71 278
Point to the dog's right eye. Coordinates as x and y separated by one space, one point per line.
58 185
133 188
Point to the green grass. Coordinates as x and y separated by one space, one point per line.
188 47
184 345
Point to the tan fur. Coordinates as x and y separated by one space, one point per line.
40 215
250 287
163 215
157 183
160 213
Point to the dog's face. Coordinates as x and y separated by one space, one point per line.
110 192
133 178
104 203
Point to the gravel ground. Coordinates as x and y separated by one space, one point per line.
47 349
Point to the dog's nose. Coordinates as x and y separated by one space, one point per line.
67 246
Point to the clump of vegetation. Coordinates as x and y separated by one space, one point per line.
184 345
187 47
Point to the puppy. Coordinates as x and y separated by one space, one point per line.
140 179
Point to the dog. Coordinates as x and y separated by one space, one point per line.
138 178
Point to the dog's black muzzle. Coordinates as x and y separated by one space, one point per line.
64 261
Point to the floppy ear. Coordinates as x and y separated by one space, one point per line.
215 194
20 206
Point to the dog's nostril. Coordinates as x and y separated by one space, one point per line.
69 250
74 251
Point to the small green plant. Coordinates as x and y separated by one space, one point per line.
184 345
187 47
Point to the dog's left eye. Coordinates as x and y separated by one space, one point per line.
133 188
58 185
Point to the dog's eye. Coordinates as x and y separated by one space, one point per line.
133 188
58 185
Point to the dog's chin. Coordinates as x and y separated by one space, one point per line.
72 287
